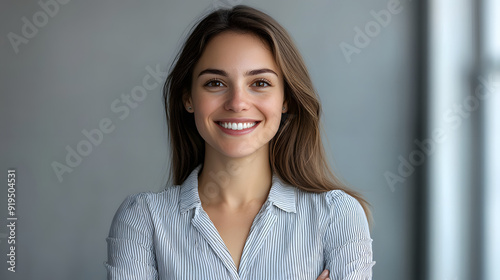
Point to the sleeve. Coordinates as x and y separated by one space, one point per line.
348 246
130 242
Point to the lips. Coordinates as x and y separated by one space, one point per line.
237 126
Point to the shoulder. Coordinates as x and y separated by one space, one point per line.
140 208
343 205
346 215
339 200
334 206
332 201
151 200
347 240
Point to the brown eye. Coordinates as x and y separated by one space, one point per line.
261 83
214 83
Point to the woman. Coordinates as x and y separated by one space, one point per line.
253 196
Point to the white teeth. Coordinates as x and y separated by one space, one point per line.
237 126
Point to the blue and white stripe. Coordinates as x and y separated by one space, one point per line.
295 235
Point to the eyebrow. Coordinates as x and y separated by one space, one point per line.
248 73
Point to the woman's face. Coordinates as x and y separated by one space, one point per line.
237 95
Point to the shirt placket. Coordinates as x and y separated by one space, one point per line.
207 230
259 232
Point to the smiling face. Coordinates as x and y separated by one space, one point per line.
237 95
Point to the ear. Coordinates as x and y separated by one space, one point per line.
285 107
188 102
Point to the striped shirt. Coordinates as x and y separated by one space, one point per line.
295 235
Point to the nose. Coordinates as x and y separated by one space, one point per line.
237 99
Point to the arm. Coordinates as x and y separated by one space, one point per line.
130 242
347 249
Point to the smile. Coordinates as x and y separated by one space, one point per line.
237 126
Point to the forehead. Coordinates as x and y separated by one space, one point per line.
236 51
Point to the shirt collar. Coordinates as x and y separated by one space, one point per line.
281 194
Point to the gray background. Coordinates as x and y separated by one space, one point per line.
66 77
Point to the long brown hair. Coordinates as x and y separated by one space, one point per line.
296 152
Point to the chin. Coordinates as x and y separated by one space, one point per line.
242 150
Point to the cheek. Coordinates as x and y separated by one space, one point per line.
204 109
200 118
206 104
273 119
273 109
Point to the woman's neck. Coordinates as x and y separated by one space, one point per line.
235 183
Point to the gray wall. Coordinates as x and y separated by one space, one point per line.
65 78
